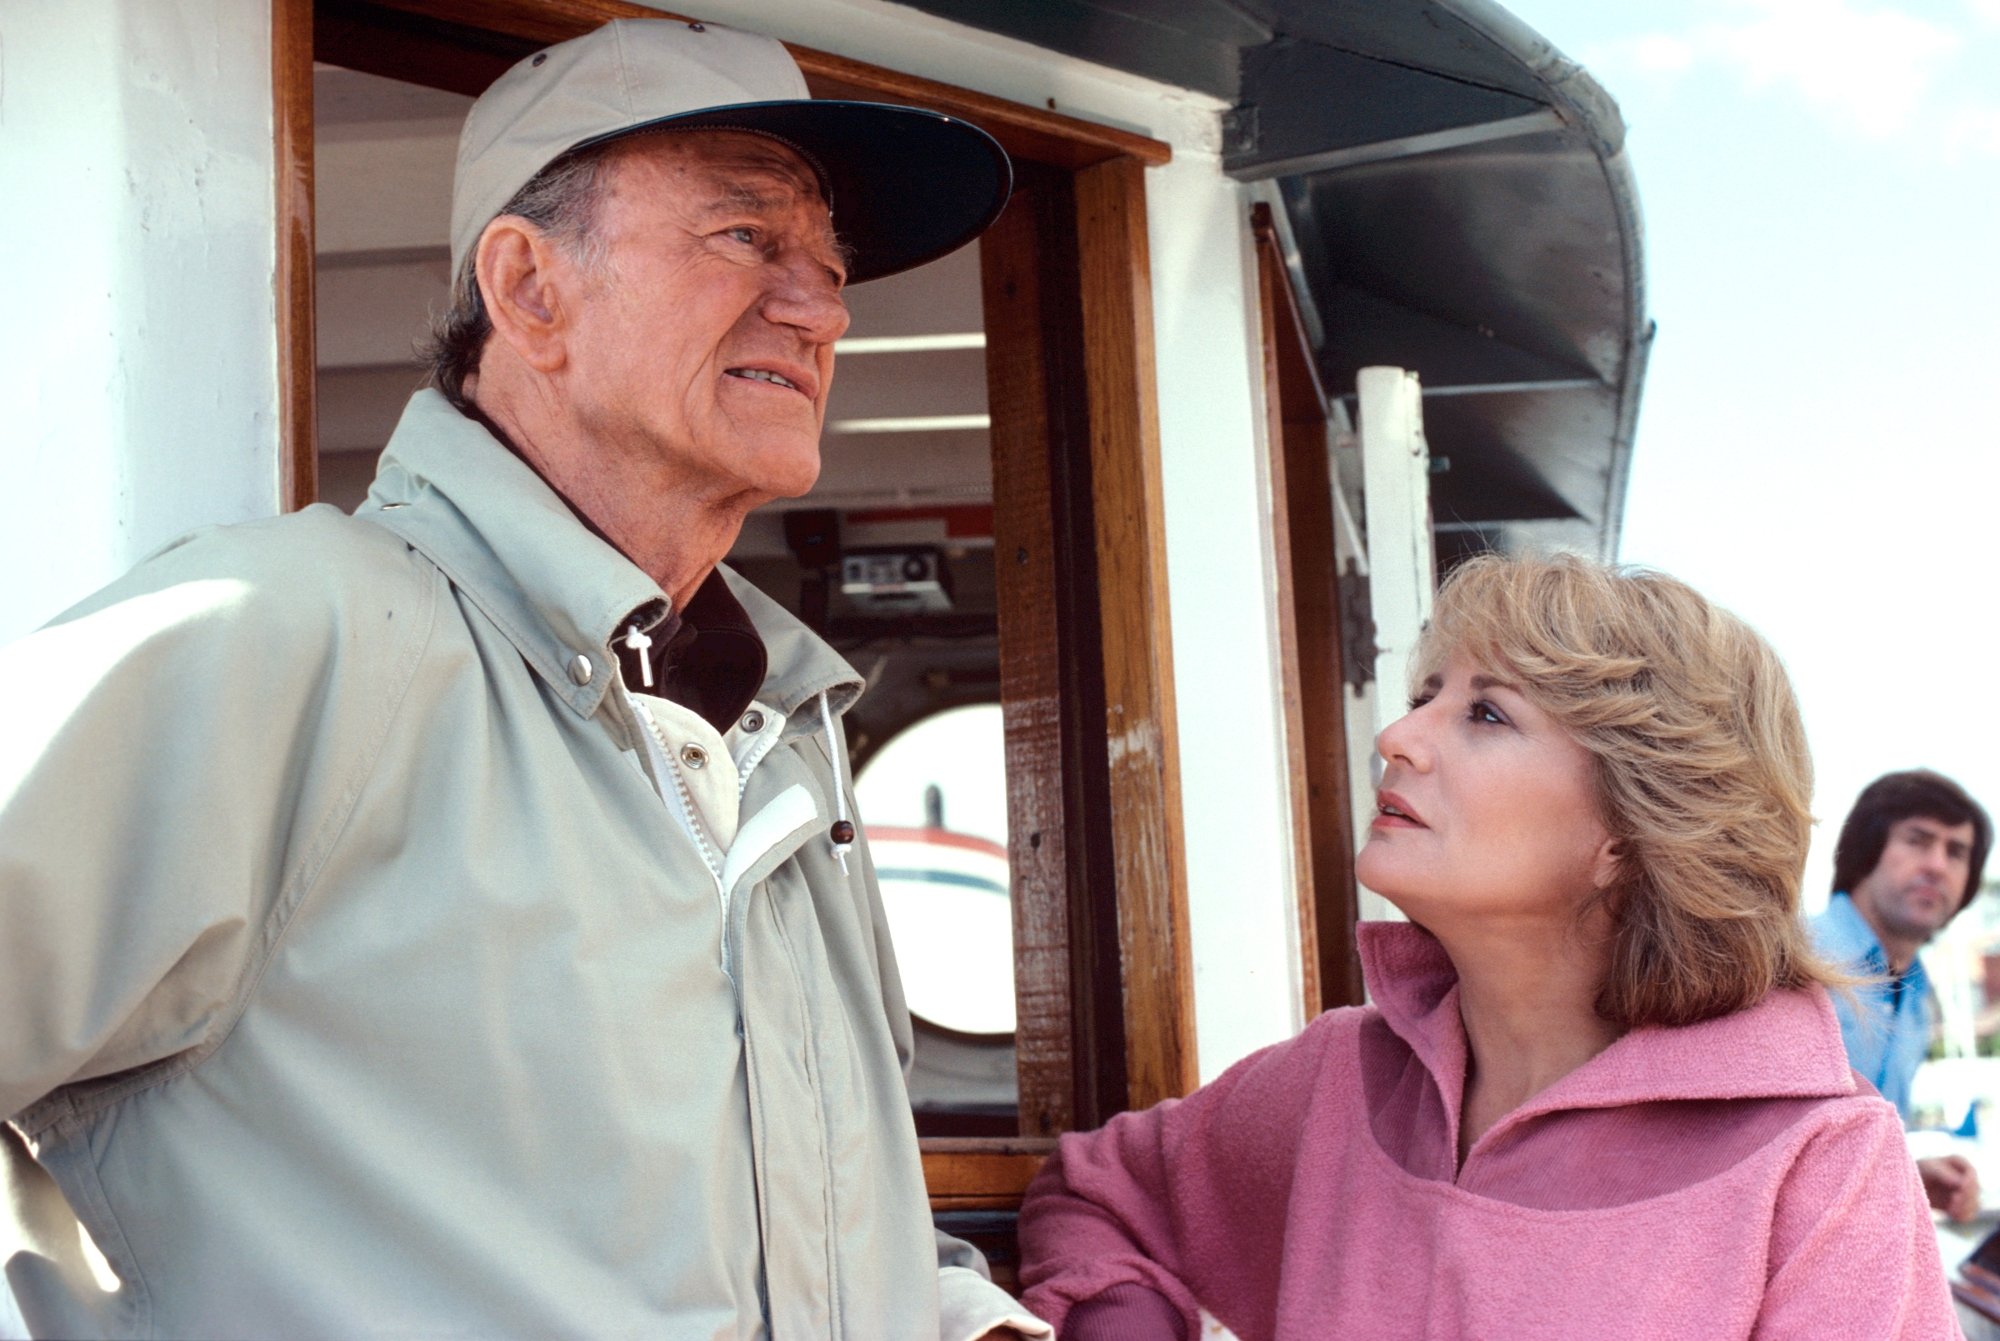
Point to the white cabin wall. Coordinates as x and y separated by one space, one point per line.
1215 467
139 366
1234 792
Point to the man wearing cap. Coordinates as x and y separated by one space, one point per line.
1909 858
448 920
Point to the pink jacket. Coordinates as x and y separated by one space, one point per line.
1729 1179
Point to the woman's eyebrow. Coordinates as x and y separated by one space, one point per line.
1493 682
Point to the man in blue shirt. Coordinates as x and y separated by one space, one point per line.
1909 859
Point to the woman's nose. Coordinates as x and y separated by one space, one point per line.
1402 738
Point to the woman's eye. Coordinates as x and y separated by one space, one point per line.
1482 711
1418 701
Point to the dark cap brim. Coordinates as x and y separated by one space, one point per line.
907 185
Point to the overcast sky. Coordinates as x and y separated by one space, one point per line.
1819 445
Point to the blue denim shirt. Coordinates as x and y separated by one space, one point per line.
1889 1034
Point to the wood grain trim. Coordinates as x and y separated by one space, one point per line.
1033 133
1291 698
1310 637
392 44
1323 695
969 1174
298 358
1024 548
1150 875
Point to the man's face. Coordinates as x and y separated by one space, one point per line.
1920 880
701 351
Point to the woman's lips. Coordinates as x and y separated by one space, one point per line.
1393 812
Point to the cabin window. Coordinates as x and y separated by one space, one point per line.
383 151
935 799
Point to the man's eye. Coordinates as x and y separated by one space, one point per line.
741 233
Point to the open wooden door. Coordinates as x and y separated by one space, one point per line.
1309 634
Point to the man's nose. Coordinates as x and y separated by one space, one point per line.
807 298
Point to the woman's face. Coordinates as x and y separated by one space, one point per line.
1486 807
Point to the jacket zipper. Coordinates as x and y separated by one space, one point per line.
695 826
682 800
765 742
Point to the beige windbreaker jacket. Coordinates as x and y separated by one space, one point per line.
355 980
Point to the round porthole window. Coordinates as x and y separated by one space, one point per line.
935 803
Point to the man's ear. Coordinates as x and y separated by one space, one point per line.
521 276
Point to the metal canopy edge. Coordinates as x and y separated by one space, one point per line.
1456 200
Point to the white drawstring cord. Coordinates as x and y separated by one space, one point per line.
642 647
841 835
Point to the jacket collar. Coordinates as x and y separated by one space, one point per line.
802 666
1786 1046
558 592
1845 937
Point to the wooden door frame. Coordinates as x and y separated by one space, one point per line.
1103 965
298 346
1297 429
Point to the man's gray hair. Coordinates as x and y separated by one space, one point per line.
561 200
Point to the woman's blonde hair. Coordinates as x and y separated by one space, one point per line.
1702 771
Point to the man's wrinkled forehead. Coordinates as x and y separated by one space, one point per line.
722 170
745 166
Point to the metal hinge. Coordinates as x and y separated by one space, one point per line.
1358 649
1239 130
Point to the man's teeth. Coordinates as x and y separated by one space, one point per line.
760 375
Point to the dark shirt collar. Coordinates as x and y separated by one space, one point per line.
707 657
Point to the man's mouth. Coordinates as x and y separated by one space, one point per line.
766 375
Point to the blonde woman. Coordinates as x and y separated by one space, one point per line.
1601 1091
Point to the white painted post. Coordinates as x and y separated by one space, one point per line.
1396 483
138 363
1396 464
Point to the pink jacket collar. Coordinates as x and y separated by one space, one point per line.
1786 1046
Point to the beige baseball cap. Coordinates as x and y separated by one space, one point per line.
906 185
